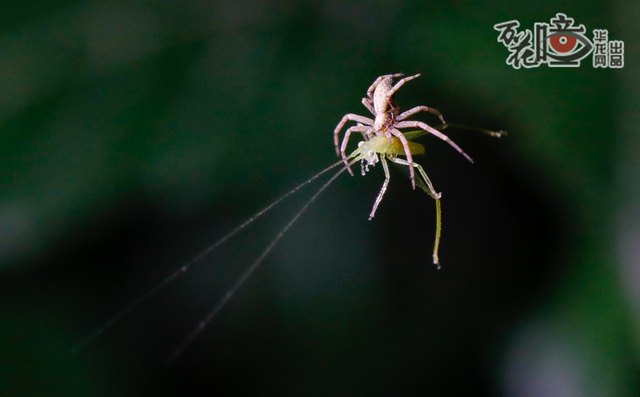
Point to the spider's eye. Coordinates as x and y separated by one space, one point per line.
370 153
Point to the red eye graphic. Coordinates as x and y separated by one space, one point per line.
563 44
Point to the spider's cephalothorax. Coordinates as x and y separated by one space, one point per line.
388 119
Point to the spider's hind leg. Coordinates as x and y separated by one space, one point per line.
378 80
417 109
368 103
432 131
399 84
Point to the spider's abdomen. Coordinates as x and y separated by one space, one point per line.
384 107
380 102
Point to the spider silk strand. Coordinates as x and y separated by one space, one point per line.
129 308
229 294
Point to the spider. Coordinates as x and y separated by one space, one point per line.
388 120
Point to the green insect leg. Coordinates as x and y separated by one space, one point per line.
436 196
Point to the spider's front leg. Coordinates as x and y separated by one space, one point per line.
348 117
366 132
407 153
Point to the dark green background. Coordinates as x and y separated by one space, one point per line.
133 134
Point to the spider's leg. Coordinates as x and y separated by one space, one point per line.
400 84
407 152
378 80
417 109
436 196
387 176
368 134
431 130
368 103
358 128
496 134
348 117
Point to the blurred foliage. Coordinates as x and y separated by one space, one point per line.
134 134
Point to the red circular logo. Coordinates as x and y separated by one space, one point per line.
563 44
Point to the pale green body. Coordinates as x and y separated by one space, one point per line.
381 144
